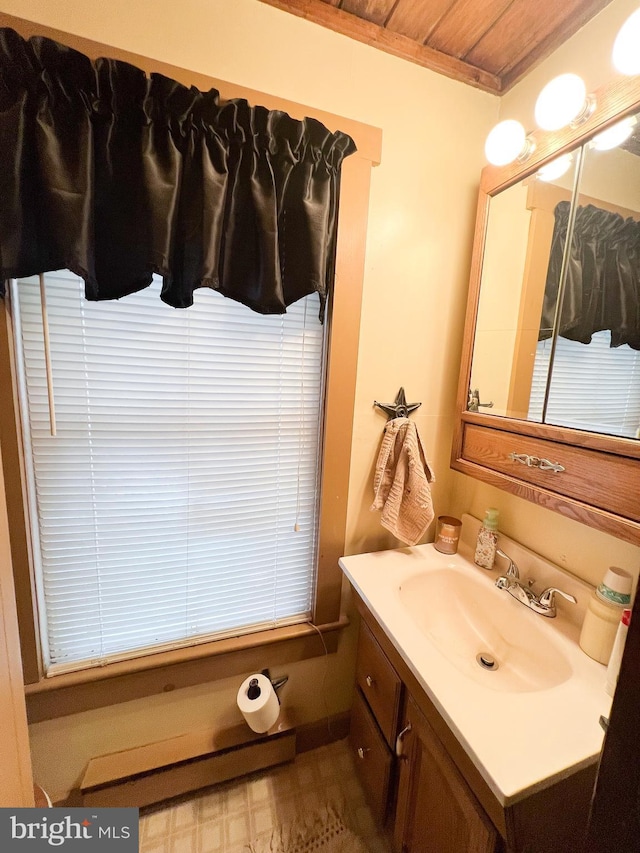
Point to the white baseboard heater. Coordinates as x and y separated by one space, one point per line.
158 771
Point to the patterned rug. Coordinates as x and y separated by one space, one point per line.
322 832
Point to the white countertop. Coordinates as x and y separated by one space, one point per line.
519 741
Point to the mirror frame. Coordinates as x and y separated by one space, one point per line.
614 101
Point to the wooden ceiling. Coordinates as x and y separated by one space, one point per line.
489 44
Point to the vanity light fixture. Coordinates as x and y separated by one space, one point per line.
614 135
507 142
563 101
626 56
556 168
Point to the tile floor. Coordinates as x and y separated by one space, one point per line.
227 817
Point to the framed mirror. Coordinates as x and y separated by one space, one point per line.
518 257
549 394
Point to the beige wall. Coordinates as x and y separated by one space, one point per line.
612 176
584 552
420 228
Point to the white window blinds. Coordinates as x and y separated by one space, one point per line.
594 387
178 501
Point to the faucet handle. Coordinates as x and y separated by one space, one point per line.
512 571
548 597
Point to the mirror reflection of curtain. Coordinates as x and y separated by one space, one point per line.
116 175
602 290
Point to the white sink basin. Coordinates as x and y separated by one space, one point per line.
482 631
533 718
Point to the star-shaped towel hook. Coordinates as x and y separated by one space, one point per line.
399 409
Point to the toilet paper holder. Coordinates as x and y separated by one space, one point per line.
278 683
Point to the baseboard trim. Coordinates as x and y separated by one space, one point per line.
166 782
160 771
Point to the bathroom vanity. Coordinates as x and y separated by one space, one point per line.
454 755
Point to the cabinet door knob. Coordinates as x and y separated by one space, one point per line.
370 681
400 740
362 752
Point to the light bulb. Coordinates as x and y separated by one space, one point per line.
555 169
626 53
614 135
560 102
505 142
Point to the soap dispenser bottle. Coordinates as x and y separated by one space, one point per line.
487 540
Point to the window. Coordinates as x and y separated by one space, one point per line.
595 387
177 502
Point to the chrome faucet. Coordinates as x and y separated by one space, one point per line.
512 570
545 603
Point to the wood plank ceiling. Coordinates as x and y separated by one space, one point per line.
489 44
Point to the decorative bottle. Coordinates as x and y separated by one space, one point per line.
487 540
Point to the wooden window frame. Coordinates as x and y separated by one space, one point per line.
71 693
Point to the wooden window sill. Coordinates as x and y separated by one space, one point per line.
164 672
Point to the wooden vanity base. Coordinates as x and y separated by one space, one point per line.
432 798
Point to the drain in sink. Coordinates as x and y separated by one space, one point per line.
487 661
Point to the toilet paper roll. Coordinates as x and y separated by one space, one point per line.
258 702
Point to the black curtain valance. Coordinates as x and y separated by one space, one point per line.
116 175
602 290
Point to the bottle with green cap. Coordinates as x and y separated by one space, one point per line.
487 540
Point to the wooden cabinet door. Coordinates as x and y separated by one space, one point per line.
379 683
372 758
437 811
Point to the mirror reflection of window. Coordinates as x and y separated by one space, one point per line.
596 364
594 387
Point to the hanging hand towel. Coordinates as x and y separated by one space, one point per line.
401 482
